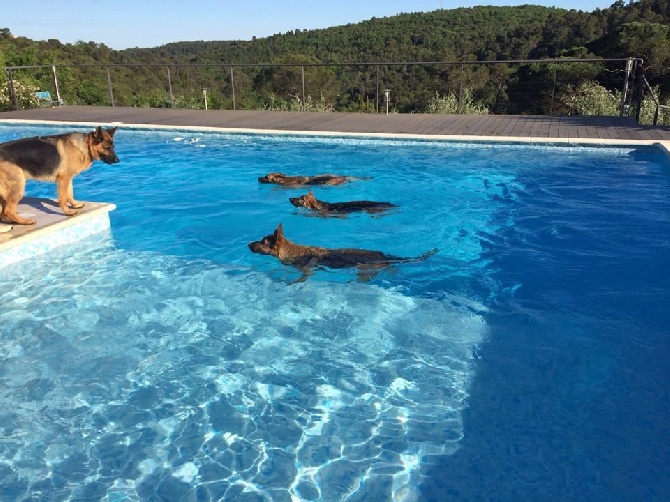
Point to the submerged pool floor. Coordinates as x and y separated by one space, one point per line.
526 360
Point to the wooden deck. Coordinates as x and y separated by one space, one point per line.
544 128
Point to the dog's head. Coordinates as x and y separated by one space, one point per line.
308 201
272 178
270 244
101 145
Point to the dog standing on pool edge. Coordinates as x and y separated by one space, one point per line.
305 258
58 158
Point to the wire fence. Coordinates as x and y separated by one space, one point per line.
544 87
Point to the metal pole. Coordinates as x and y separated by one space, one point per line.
53 72
170 88
377 66
639 90
460 91
232 84
629 69
553 92
109 86
12 91
302 68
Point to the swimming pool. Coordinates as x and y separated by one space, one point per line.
528 359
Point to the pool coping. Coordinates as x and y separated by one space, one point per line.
463 138
52 229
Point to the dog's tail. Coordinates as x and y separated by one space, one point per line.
421 257
427 254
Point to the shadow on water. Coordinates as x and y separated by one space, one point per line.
569 400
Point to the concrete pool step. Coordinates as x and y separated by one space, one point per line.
53 228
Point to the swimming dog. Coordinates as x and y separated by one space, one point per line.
301 181
58 158
310 202
305 258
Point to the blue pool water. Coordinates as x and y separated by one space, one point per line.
527 360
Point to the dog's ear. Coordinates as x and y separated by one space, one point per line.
310 194
279 233
97 134
111 131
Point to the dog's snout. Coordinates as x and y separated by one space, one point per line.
110 159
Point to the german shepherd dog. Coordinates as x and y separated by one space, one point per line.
305 258
336 208
57 158
302 181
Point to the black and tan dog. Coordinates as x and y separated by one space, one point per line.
305 258
303 181
58 158
309 201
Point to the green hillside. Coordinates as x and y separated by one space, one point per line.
638 29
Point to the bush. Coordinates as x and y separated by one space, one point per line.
649 108
591 98
295 105
448 104
25 94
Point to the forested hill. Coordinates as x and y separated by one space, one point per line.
478 33
442 35
637 29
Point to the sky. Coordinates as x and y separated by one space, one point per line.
123 24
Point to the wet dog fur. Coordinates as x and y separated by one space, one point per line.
302 181
58 158
306 258
309 201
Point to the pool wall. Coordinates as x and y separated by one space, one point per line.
53 229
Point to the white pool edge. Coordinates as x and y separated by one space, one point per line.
45 239
665 145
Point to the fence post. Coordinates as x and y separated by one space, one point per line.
553 92
639 91
55 78
377 96
109 86
460 90
629 69
170 87
12 91
302 70
232 84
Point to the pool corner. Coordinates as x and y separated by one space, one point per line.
53 228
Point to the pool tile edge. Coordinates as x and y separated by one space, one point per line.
39 241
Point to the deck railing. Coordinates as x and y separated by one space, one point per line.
509 86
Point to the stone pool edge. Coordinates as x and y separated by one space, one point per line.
53 229
548 140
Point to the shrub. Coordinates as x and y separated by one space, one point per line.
25 94
295 105
590 98
448 104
